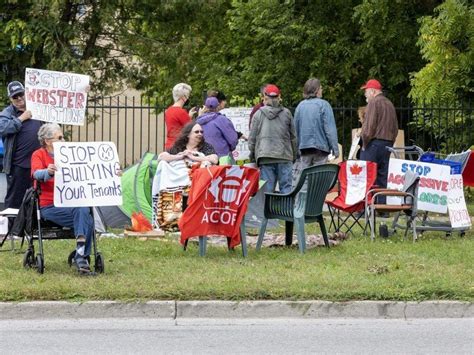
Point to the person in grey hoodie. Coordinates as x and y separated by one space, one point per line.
272 141
218 129
315 129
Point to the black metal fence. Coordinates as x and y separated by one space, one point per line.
137 126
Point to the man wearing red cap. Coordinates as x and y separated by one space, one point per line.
379 130
272 141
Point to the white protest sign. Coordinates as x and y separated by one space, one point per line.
86 174
57 97
458 213
240 117
354 145
433 186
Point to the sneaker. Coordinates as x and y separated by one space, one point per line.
82 265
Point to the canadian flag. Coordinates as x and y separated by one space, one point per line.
218 201
357 182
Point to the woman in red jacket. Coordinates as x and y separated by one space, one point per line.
77 218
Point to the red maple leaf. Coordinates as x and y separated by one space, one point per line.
355 169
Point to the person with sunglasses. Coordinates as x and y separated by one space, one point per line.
191 147
79 219
19 134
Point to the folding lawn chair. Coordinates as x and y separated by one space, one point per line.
353 211
408 206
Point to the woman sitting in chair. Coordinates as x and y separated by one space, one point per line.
191 146
79 219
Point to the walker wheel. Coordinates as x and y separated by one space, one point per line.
29 259
39 263
70 258
99 263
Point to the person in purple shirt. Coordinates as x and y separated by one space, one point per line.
19 135
218 129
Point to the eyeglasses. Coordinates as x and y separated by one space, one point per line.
60 138
17 96
199 131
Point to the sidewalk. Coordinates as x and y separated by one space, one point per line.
232 309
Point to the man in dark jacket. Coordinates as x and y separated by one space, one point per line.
379 130
272 141
19 135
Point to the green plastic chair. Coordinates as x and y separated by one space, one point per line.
301 206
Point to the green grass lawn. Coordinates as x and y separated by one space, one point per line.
434 268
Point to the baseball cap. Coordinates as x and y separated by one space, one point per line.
372 84
272 90
15 87
211 102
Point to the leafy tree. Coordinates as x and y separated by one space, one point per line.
67 35
447 44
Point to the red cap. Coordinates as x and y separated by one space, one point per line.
372 84
272 90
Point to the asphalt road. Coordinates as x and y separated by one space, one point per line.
237 336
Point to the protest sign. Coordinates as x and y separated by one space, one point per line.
354 146
57 97
433 186
240 117
458 213
86 174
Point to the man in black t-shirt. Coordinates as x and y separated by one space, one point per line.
20 139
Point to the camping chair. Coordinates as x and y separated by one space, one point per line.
355 211
301 206
408 205
30 226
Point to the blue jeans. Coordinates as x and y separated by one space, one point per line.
281 172
79 219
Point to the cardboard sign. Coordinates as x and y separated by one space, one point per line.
354 146
433 186
458 213
240 117
57 97
86 174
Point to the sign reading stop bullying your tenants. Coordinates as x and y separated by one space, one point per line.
86 174
57 97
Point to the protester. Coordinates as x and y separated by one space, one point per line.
361 115
176 117
218 129
272 141
259 105
79 219
18 132
191 146
379 130
315 129
220 96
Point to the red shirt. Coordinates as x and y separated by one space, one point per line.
40 160
176 118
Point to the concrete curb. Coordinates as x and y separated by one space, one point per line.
235 309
